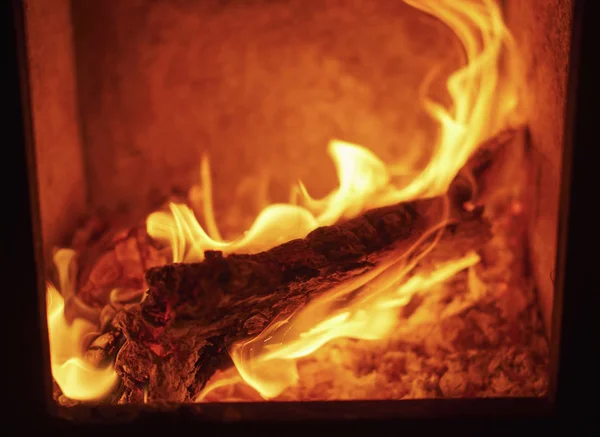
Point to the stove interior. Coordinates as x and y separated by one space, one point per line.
263 200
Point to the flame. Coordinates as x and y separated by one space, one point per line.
482 105
484 99
267 362
77 378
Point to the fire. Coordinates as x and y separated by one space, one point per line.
268 362
484 98
481 108
77 379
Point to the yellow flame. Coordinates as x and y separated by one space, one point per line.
481 106
479 109
77 378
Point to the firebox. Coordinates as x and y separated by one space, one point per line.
260 210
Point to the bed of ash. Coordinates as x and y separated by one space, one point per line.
479 334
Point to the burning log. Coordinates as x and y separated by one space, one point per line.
179 335
194 312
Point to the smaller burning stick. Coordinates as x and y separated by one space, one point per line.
179 335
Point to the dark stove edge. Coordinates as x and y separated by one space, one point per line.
248 412
483 416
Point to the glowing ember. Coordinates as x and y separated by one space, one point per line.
483 103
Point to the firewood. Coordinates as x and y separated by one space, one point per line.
194 312
179 335
197 291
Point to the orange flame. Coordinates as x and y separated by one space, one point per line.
483 100
77 378
268 362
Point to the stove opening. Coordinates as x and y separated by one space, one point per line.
263 200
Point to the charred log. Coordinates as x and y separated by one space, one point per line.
193 313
